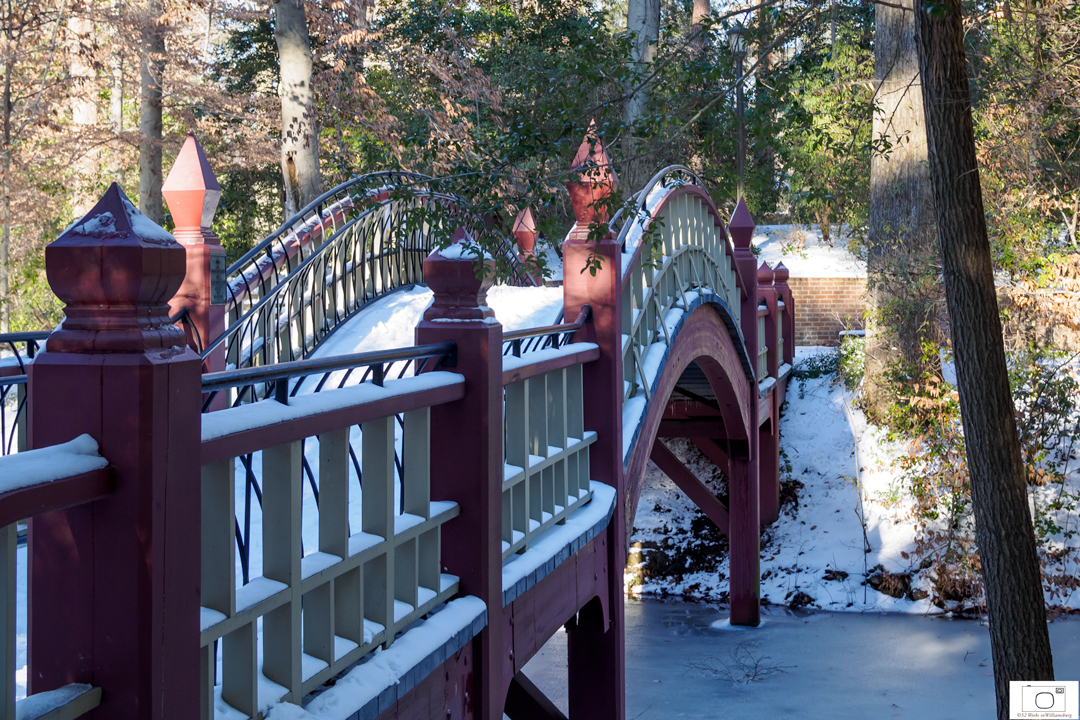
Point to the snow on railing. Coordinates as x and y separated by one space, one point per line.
546 474
695 261
335 577
763 344
34 482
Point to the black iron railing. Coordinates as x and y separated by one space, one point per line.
552 336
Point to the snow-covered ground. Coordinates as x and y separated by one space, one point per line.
816 548
805 254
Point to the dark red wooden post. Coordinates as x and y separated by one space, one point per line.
745 582
468 436
524 232
192 192
597 684
768 433
114 586
780 282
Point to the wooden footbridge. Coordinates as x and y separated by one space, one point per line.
224 523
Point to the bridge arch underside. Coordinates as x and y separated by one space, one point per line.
706 376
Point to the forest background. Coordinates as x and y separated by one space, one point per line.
493 97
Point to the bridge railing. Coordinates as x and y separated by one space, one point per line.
673 250
546 473
337 577
17 351
34 482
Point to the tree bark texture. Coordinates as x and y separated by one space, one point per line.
150 139
84 112
643 20
904 291
1019 639
299 128
5 201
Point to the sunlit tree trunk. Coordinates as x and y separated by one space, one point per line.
150 110
904 291
299 126
84 112
5 201
1020 643
643 21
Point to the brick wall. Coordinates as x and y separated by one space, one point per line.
825 306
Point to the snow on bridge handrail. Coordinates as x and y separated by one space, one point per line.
354 585
31 483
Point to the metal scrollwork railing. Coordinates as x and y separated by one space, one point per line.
277 316
17 351
542 338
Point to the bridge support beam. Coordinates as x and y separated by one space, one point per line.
114 585
597 680
690 484
463 431
525 701
743 485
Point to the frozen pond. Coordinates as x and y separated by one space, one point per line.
836 665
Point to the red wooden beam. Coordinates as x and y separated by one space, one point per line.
692 428
689 483
514 374
525 701
26 502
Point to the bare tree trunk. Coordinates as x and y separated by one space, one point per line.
5 201
151 75
904 293
84 113
643 20
1019 639
299 128
700 11
116 113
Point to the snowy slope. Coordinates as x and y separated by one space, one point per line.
680 553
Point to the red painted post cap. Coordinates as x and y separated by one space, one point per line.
191 189
115 270
594 181
780 274
452 275
765 274
741 226
524 230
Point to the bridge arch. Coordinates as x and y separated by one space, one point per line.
703 340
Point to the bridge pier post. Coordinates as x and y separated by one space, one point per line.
596 652
769 430
467 435
745 537
192 192
114 585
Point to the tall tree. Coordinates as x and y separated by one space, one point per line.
152 71
903 287
84 109
299 126
1019 639
643 22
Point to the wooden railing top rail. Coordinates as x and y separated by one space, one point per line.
545 361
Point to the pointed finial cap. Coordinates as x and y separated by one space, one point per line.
764 274
780 273
594 180
191 189
524 230
741 226
115 271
